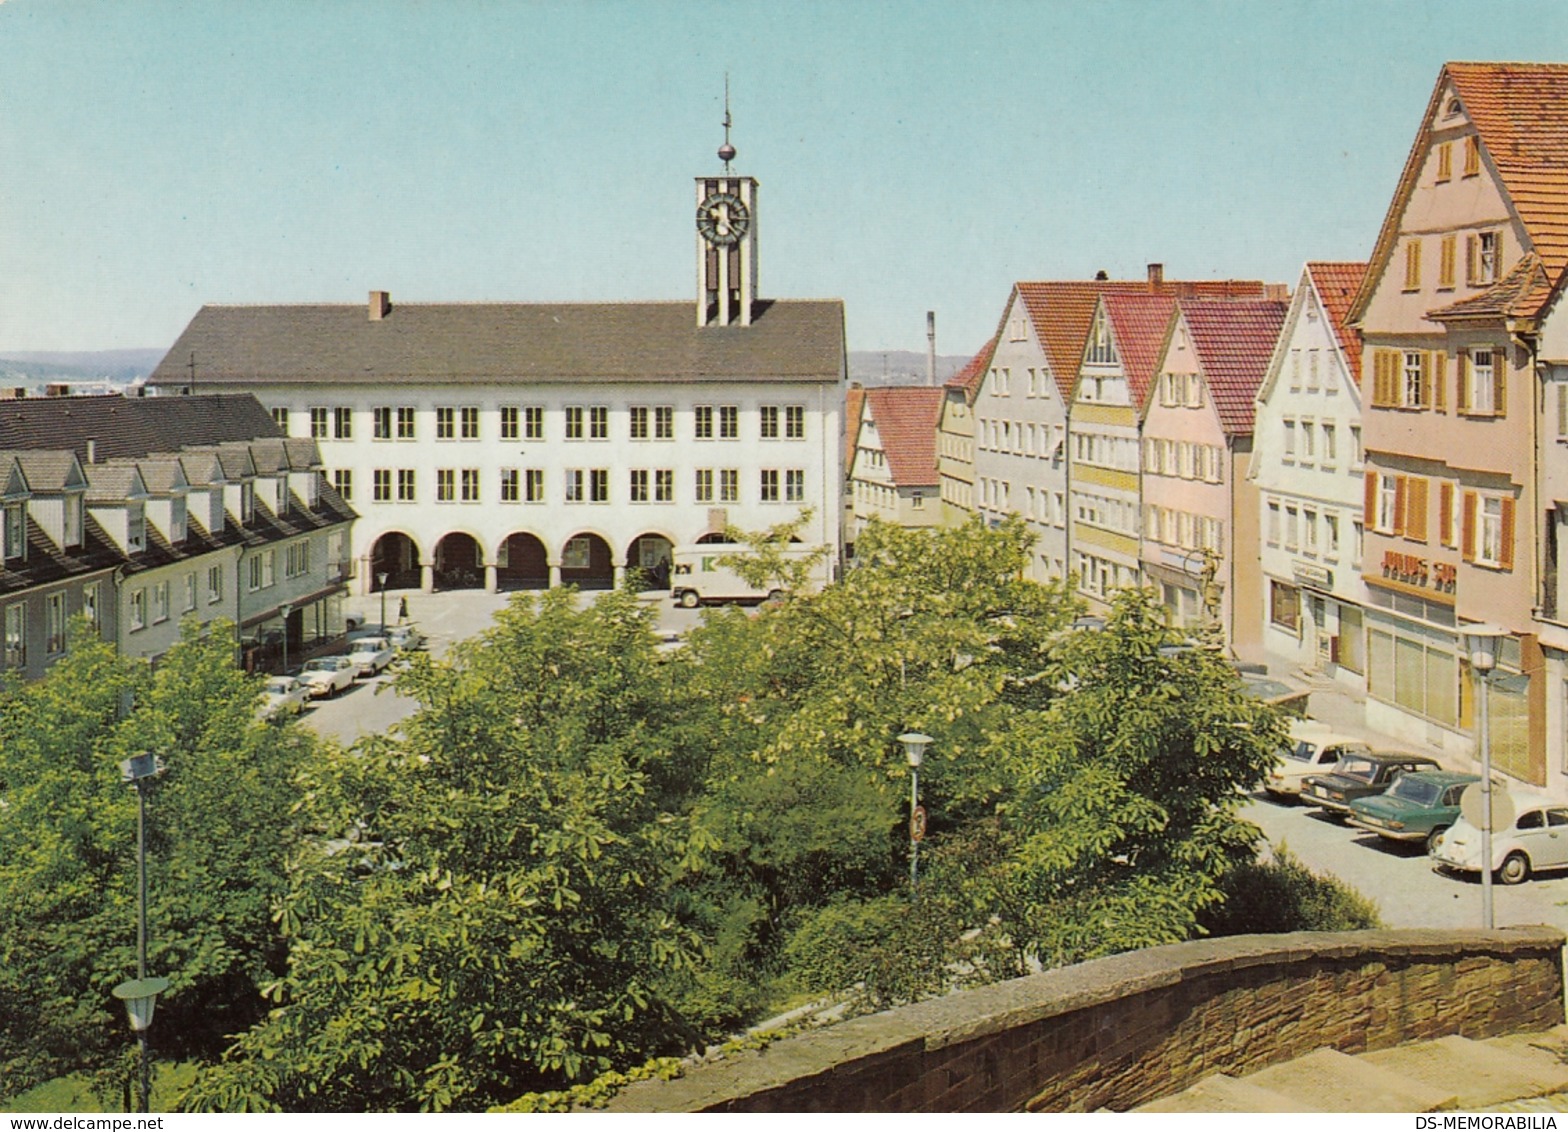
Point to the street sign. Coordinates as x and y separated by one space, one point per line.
1474 809
917 824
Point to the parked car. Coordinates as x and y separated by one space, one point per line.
1315 749
326 676
1537 840
370 655
283 695
1417 807
1361 776
404 637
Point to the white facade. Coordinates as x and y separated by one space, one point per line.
1307 467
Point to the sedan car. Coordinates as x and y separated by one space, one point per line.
370 655
283 695
404 637
1536 841
326 676
1418 807
1361 776
1314 749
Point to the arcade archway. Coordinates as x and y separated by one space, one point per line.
397 556
586 563
652 555
458 564
522 564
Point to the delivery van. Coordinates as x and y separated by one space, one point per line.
697 578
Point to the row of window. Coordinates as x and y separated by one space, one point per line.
1106 511
1100 577
1315 380
1307 441
1118 452
1183 529
13 644
580 485
1419 379
1184 459
13 527
1305 530
876 495
1480 525
527 422
1483 260
1036 382
1020 438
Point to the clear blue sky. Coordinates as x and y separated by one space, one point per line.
155 156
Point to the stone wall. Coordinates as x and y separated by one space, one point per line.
1117 1032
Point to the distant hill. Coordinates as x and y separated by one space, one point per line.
114 367
900 367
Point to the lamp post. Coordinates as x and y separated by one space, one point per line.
915 745
285 609
381 580
1481 643
140 994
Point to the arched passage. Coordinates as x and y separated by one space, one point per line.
458 564
522 564
651 553
586 563
397 556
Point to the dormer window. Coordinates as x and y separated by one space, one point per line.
135 528
73 520
178 527
15 531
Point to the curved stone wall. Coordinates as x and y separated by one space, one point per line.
1120 1031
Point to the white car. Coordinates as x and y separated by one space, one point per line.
406 636
283 695
370 655
326 676
1537 840
1314 749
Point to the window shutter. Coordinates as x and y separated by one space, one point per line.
1439 363
1379 376
1445 518
1497 256
1426 380
1500 382
1505 553
1562 409
1462 381
1467 527
1369 501
1401 502
1472 259
1415 509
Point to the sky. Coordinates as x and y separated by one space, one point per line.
913 155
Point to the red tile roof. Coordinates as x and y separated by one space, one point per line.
1521 112
1336 285
1522 291
906 418
1063 311
968 379
854 404
1138 327
1234 342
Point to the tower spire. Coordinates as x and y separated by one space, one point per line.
727 151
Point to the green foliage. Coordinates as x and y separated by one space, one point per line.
217 829
1283 895
500 925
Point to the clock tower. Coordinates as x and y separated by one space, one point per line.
726 243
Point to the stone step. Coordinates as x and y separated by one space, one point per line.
1342 1083
1476 1073
1220 1093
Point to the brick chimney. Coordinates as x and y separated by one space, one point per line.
380 305
1156 276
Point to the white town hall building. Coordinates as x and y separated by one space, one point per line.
520 445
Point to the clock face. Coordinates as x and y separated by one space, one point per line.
722 219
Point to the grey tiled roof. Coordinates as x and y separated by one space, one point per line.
500 342
131 426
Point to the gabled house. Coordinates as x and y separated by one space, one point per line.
956 438
1200 543
1104 473
1457 527
894 476
1307 468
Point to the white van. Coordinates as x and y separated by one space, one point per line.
696 578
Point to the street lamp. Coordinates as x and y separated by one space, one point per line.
1481 644
285 609
915 745
381 580
140 994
